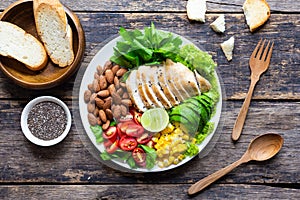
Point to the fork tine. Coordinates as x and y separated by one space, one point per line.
270 53
256 49
259 53
265 52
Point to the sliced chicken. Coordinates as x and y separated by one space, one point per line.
164 86
147 85
156 86
132 89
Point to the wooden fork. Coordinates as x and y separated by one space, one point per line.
259 63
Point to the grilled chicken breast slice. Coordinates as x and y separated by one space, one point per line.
132 89
156 87
204 84
145 72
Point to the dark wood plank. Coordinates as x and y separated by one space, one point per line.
140 191
281 81
70 162
165 6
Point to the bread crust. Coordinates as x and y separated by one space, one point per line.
56 6
26 36
259 23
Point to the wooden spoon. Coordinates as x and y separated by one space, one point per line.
261 148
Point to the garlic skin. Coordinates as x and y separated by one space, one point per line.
219 24
196 10
227 47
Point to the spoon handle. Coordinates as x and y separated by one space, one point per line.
203 183
240 120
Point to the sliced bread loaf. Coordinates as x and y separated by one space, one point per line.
257 12
54 30
22 46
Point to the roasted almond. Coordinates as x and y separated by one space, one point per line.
87 96
96 76
106 125
99 122
91 107
107 103
111 89
100 70
115 68
109 75
90 87
102 116
123 85
102 82
93 97
92 119
120 92
121 72
103 93
117 111
99 102
126 102
125 95
116 82
109 114
123 110
116 98
96 86
107 65
96 112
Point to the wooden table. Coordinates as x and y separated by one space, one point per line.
68 171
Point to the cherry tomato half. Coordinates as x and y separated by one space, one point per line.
136 116
111 147
127 143
128 117
139 156
123 126
110 134
134 130
144 138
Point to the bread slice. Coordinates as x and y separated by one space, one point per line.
227 47
219 24
257 12
22 46
54 31
196 10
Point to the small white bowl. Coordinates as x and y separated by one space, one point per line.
35 139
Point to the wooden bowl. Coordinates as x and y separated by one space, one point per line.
21 14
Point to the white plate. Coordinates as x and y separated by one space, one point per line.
99 59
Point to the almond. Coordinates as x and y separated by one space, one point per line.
111 89
93 97
115 68
96 112
103 93
106 125
91 107
102 82
96 86
99 122
99 102
99 70
126 102
120 92
116 98
109 75
87 95
121 72
107 103
125 95
109 114
107 65
123 85
90 87
117 111
116 82
102 116
92 119
96 76
123 110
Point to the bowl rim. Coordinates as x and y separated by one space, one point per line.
79 54
24 125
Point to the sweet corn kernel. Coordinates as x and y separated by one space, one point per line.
168 129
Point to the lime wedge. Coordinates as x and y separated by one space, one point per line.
155 119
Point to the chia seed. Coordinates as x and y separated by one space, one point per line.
47 120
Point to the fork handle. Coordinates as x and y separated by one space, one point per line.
239 123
